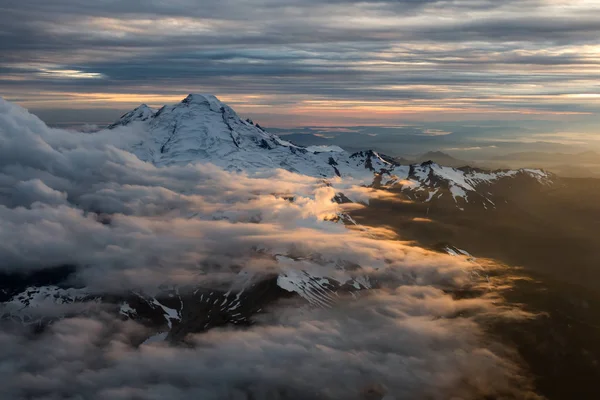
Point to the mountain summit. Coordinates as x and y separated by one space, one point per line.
203 129
141 113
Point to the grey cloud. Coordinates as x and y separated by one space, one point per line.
545 29
28 192
294 22
302 50
385 344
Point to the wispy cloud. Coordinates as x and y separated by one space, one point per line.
435 132
472 148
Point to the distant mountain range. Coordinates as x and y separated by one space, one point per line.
588 157
438 157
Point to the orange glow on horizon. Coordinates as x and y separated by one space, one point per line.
322 112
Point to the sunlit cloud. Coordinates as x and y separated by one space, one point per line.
567 138
472 148
418 219
51 71
68 74
435 132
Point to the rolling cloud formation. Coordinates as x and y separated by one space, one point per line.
69 198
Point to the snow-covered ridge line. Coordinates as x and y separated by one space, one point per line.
430 179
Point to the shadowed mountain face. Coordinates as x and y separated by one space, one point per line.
550 232
545 227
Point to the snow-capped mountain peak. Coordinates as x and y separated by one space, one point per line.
201 128
430 181
204 99
140 113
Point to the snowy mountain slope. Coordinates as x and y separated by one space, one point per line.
172 313
465 186
141 113
317 284
202 129
31 305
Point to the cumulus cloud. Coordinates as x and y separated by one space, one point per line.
78 199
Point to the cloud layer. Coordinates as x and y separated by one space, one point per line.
387 344
303 62
69 198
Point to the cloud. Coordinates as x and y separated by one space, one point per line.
386 344
390 57
418 219
435 132
472 148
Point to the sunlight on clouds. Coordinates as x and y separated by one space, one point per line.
68 74
473 148
124 27
570 137
573 4
418 219
306 63
435 132
562 138
588 96
53 71
418 106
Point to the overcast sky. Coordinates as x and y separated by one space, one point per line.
307 62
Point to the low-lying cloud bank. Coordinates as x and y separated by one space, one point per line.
386 344
70 198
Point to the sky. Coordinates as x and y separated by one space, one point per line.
294 63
